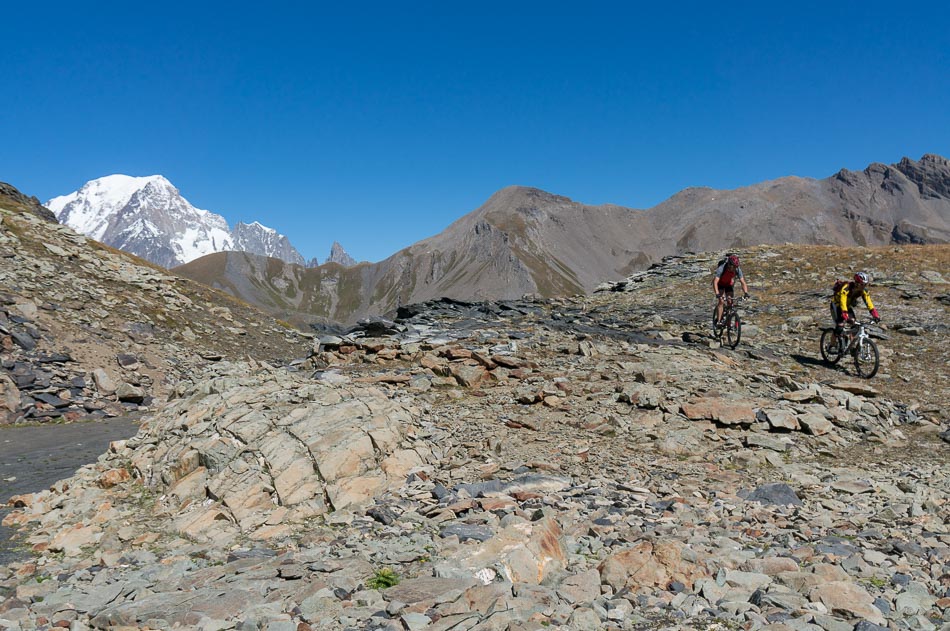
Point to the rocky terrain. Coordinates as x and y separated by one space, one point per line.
87 331
523 240
591 462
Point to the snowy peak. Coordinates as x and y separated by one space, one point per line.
265 241
89 209
148 217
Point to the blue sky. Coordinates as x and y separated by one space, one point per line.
378 125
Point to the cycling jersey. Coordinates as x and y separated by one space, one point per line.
847 297
727 276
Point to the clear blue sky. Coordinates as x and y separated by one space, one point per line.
379 125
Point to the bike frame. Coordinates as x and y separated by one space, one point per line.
857 333
729 305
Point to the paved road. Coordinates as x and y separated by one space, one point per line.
32 458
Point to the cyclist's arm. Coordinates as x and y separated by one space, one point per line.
715 284
870 305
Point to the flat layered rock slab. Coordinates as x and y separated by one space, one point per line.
855 387
720 410
429 589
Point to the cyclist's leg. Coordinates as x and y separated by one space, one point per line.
836 319
728 292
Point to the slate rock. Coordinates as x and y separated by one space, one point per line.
778 493
467 531
51 399
127 361
25 342
383 514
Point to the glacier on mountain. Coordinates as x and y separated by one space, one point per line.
148 217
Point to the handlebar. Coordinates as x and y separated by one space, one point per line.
857 323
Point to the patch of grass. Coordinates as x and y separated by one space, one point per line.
877 582
144 498
382 579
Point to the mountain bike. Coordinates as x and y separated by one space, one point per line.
730 324
854 340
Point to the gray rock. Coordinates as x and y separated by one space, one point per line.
467 531
777 493
128 392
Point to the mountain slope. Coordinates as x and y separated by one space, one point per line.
148 217
523 240
76 315
15 200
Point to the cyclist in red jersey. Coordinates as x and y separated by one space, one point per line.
724 281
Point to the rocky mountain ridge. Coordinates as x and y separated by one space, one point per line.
527 241
593 462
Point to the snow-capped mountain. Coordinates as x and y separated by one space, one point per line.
148 217
256 238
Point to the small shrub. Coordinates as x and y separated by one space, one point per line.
382 579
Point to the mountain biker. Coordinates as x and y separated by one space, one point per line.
846 295
724 280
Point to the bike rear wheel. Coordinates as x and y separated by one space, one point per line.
830 348
733 330
716 328
866 359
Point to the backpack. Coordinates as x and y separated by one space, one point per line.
837 287
723 260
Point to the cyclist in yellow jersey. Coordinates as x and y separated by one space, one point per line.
846 297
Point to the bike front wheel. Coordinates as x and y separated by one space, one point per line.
716 328
733 330
830 348
866 359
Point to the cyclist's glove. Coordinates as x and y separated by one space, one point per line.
874 314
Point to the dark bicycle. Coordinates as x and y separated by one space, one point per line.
856 341
730 324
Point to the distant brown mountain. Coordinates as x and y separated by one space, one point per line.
10 197
524 240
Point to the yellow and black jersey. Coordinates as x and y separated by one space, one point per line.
848 295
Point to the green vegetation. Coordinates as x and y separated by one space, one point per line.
877 582
382 579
